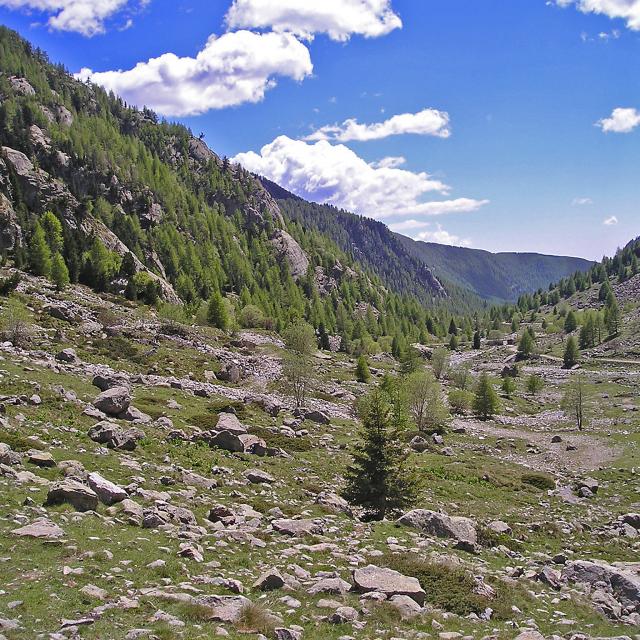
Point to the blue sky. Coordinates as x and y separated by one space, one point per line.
522 125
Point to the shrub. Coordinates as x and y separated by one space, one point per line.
460 401
539 481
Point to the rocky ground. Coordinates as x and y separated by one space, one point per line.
157 482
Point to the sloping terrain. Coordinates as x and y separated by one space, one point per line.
135 521
504 276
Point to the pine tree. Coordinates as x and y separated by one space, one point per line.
377 479
526 345
535 384
476 340
612 315
59 272
485 403
453 329
362 370
217 313
571 353
508 386
39 252
453 343
570 322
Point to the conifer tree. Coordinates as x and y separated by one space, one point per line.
476 340
485 403
39 252
571 353
377 479
59 272
526 344
217 313
362 370
570 322
612 315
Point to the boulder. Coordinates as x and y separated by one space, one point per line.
343 615
330 585
113 401
67 355
60 312
108 493
114 437
463 530
407 606
297 527
224 608
257 476
333 502
387 581
41 458
316 416
40 528
8 455
106 381
623 583
269 581
135 415
74 493
229 422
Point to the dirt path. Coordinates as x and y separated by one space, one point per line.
590 451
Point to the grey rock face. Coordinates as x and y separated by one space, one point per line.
291 252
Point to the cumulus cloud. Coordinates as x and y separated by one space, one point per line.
339 19
628 10
621 120
231 69
425 231
610 221
82 16
334 174
428 122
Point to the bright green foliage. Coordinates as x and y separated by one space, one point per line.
378 478
362 370
426 405
485 403
53 231
526 344
570 322
534 384
440 362
59 272
217 312
39 252
508 386
612 315
571 353
251 317
297 366
453 343
460 401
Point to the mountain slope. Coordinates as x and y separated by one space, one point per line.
505 276
146 209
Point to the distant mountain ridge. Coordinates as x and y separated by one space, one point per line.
409 265
503 276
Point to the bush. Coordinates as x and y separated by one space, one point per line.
539 481
9 284
460 401
251 317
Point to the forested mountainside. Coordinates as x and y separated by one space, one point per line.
127 203
466 274
504 276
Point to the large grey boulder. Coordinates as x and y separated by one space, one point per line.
40 528
229 422
106 381
114 437
432 523
8 455
257 476
113 401
108 492
387 581
74 493
624 581
333 502
297 527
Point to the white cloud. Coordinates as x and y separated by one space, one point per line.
581 202
628 10
231 69
621 120
82 16
428 122
334 174
425 231
390 162
339 19
610 221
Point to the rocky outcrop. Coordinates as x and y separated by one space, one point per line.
290 251
10 231
74 493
